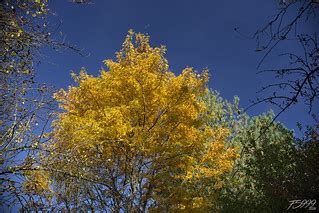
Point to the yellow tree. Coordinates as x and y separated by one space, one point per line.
134 138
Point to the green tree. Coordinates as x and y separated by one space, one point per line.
273 167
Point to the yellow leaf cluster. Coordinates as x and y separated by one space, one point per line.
142 122
37 182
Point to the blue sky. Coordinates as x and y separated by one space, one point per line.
198 34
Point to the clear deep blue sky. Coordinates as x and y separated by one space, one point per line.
198 33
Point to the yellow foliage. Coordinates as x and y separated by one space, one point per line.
142 122
37 182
